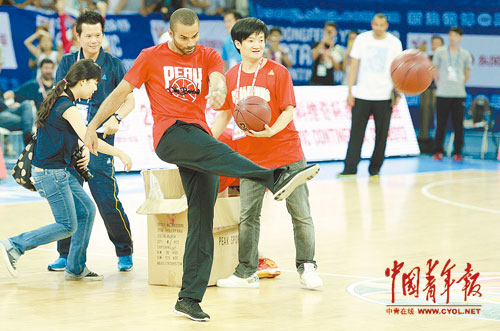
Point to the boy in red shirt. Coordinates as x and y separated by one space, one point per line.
276 146
177 76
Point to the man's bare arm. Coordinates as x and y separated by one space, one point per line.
108 107
218 90
111 125
351 78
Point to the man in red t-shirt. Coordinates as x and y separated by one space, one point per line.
276 146
177 76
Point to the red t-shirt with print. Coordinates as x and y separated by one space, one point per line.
274 85
176 84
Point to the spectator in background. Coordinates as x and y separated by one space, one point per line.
46 4
277 51
169 6
327 56
149 6
217 7
453 65
371 57
17 117
73 43
32 60
128 7
230 54
66 43
44 50
347 57
21 4
241 6
71 7
198 6
35 89
428 105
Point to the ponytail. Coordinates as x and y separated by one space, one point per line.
49 103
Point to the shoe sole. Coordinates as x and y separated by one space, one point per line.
83 279
249 285
346 176
55 269
299 179
5 257
125 270
315 287
206 319
268 273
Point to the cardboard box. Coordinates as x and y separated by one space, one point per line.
166 208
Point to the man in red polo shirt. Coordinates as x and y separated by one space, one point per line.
177 76
276 146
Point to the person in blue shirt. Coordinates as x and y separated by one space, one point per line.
35 89
104 188
17 116
60 130
230 54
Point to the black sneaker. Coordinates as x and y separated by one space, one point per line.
190 308
288 180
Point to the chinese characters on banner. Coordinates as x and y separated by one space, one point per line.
322 118
411 281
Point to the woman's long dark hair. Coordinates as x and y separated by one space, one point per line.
81 70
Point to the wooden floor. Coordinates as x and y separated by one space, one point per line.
362 226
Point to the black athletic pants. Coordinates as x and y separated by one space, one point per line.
201 160
361 112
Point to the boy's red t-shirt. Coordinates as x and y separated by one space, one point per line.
176 84
274 85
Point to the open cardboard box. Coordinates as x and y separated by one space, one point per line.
166 210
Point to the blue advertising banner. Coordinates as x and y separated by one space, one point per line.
127 35
413 22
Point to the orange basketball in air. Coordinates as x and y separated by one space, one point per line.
411 72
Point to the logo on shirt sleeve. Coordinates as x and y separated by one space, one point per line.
183 82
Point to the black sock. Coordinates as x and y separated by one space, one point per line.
277 174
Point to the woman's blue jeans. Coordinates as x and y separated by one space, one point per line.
74 214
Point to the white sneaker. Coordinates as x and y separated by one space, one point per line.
8 259
309 278
235 281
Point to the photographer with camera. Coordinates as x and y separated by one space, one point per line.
60 130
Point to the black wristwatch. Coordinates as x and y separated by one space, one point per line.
118 117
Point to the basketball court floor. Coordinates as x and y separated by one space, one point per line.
417 210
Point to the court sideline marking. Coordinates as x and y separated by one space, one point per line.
425 191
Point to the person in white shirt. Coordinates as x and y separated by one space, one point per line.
371 57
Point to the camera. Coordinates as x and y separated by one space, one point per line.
84 173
